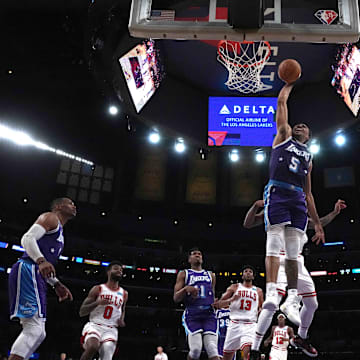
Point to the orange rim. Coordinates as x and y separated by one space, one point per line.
235 44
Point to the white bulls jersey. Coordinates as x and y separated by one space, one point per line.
281 338
246 307
108 314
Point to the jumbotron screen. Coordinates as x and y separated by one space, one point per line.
142 71
241 121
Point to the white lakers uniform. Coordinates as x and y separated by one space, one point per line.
243 317
104 318
306 287
280 343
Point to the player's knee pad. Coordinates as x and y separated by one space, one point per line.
310 303
210 345
32 335
195 345
293 239
274 240
107 350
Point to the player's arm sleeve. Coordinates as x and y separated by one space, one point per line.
29 241
45 222
90 303
179 288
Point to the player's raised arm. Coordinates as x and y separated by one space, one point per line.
283 129
253 217
91 302
327 219
319 232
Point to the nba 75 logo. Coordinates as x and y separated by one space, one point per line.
327 17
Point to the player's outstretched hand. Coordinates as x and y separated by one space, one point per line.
319 236
47 269
121 323
192 290
63 292
339 205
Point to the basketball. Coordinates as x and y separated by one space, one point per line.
289 70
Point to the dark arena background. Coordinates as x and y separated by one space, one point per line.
70 127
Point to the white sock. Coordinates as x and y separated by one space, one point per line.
270 287
310 305
292 292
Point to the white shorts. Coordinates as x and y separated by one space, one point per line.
101 332
278 354
238 335
306 287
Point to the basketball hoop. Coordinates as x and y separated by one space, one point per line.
245 62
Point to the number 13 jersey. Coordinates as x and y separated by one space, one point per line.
245 308
110 313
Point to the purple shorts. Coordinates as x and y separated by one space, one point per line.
200 321
284 206
27 290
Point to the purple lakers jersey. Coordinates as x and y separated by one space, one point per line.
51 245
290 162
223 318
203 281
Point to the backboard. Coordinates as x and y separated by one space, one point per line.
317 21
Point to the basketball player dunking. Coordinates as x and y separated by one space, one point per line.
196 287
288 200
306 287
106 305
279 337
245 302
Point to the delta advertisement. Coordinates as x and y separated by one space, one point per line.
241 121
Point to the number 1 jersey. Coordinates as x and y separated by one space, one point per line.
110 313
203 282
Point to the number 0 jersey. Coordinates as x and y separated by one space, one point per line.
246 307
110 313
290 162
203 282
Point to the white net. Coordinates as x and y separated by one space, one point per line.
245 62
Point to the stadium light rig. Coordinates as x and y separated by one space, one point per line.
23 139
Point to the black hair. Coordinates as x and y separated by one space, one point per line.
193 249
114 262
248 267
57 202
